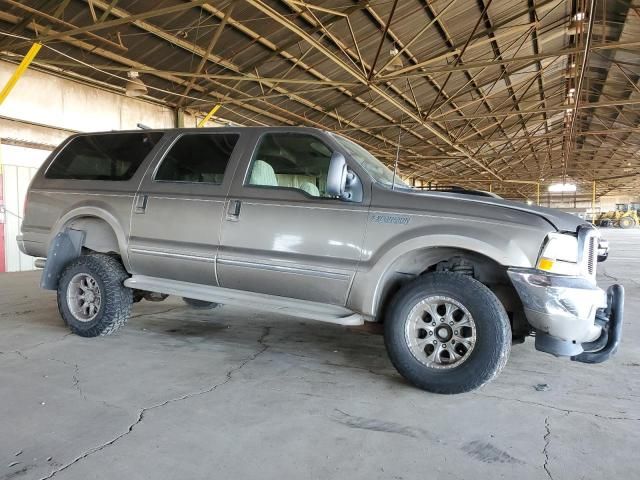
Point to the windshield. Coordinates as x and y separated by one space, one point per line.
371 164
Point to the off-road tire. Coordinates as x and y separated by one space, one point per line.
627 222
493 333
116 299
199 304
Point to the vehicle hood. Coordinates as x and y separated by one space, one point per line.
561 221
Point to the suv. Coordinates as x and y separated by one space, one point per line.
306 222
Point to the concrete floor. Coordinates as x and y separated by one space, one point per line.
180 393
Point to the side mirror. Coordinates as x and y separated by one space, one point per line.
337 176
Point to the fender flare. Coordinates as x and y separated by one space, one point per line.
66 243
100 214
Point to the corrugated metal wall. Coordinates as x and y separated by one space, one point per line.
15 184
19 165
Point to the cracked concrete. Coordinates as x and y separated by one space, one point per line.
545 450
226 393
142 412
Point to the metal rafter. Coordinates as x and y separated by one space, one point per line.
477 103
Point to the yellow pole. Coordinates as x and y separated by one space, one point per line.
24 64
490 187
593 203
538 193
204 121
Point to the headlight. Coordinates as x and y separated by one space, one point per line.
559 255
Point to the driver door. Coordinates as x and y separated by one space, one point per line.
282 234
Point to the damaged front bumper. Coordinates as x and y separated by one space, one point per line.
571 315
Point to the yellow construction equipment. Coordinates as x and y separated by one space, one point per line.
624 216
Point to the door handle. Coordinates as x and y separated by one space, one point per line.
141 203
233 210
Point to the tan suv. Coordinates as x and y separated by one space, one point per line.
307 222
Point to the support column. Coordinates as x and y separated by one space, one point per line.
593 203
179 117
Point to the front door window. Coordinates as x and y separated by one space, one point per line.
291 161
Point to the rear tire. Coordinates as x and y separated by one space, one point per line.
92 298
199 304
627 222
447 333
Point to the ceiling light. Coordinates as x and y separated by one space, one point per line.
562 187
578 17
396 61
572 90
134 87
529 202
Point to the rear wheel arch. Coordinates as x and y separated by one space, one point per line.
99 234
103 231
82 231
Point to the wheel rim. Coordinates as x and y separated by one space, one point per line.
440 332
84 297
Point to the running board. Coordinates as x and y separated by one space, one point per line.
258 301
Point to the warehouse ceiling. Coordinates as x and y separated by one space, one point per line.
504 93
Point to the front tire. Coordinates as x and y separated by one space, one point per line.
447 333
627 222
92 298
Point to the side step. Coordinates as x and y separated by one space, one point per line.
257 301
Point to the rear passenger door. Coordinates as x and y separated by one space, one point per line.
177 212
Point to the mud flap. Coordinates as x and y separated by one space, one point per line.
65 247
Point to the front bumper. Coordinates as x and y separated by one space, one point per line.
571 315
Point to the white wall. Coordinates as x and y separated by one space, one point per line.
65 104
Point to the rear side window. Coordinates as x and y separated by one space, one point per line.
198 158
107 156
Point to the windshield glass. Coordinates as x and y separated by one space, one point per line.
371 164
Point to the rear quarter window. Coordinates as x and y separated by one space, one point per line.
107 156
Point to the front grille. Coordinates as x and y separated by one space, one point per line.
591 255
588 241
